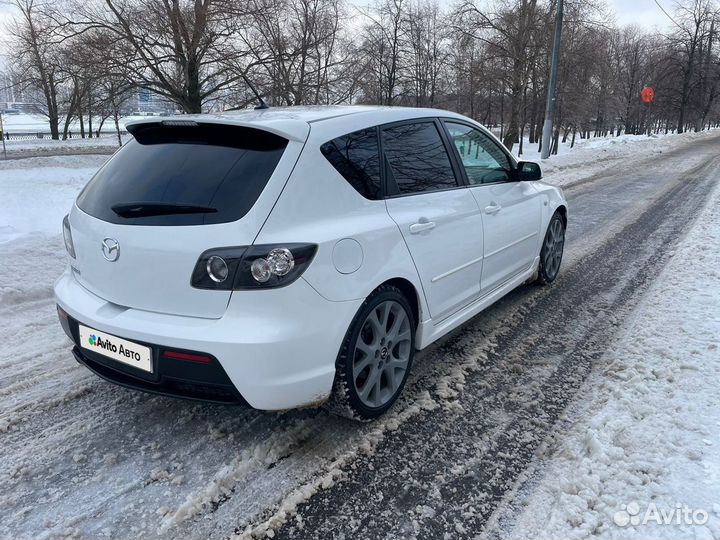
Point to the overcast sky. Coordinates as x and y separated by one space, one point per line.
642 12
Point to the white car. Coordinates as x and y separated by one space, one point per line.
284 257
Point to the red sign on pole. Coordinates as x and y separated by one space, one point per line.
647 95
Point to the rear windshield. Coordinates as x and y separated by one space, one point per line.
209 173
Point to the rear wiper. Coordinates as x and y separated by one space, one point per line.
143 209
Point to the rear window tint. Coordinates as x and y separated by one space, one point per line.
356 156
224 168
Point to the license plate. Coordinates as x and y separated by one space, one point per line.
116 348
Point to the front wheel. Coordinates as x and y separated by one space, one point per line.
375 357
552 250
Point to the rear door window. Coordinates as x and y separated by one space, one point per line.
194 175
417 160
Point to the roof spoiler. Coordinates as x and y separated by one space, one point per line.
292 130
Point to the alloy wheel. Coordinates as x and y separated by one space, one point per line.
382 352
553 249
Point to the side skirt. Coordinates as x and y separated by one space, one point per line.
429 332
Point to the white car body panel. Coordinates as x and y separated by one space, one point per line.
511 226
447 250
273 350
279 346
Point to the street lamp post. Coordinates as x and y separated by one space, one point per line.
552 83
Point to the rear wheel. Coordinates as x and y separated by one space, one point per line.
375 357
552 250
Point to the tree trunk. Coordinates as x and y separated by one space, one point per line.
90 113
82 122
116 119
687 76
511 135
502 116
556 141
68 117
102 123
193 101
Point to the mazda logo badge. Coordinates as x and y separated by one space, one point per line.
111 249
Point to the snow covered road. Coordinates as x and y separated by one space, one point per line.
80 457
451 470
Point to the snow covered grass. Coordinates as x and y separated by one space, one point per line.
37 192
644 438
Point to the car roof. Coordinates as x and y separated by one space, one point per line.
306 113
293 122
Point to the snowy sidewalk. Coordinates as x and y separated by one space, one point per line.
595 156
639 455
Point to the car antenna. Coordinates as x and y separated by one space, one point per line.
262 105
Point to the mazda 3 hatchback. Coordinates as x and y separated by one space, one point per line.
292 257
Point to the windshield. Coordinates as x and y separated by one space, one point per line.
188 175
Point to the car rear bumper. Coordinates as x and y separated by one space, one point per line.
273 349
182 387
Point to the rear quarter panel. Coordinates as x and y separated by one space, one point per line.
319 206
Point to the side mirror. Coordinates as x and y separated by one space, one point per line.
528 171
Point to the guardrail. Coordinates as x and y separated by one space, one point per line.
29 135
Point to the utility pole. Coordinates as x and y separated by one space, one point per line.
2 136
552 83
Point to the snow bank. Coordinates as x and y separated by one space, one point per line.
590 157
37 192
643 440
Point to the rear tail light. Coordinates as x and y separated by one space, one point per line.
254 267
210 273
67 236
217 269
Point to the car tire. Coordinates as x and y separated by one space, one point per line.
375 356
552 251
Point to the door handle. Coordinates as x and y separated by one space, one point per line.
422 225
494 208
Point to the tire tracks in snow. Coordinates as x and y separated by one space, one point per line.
448 471
108 459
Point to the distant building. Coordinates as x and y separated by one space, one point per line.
147 103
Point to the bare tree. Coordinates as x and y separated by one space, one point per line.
293 45
383 42
485 58
427 36
693 20
512 32
183 50
38 65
